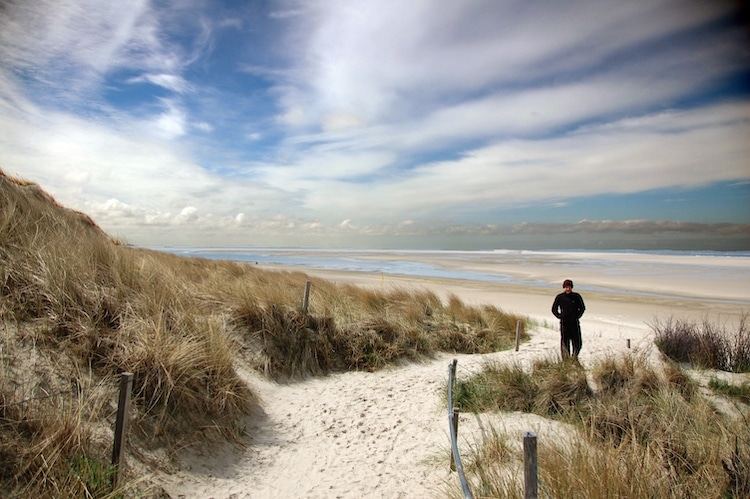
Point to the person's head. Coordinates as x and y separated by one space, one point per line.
568 285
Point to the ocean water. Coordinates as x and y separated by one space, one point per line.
680 269
382 262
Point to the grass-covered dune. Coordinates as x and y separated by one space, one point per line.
77 308
629 425
629 428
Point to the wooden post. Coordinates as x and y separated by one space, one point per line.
530 475
628 342
306 301
518 334
454 414
121 426
455 432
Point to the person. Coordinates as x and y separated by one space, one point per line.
569 307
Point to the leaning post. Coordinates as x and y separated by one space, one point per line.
452 411
121 426
454 422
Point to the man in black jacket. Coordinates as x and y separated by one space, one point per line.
568 307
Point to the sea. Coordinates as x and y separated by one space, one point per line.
729 267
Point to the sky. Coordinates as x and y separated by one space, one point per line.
440 124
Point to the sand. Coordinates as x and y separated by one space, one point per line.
386 434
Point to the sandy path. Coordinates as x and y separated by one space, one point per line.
346 435
359 434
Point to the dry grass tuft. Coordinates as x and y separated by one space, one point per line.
552 388
706 345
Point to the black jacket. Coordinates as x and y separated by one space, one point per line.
568 307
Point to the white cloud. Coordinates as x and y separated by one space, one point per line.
169 81
203 126
77 177
340 120
347 224
171 123
188 213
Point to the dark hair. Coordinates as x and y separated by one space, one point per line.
567 282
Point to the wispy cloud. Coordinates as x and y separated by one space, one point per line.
174 83
385 62
339 119
68 46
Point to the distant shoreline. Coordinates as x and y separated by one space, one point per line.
642 275
312 249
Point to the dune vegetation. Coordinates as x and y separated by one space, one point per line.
706 345
635 429
78 308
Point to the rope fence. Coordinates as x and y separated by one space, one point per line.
453 425
41 397
530 469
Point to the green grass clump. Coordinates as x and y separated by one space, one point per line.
740 392
94 477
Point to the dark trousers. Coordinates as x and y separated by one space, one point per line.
570 339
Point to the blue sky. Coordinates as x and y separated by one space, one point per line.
429 123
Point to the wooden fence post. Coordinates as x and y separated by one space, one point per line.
530 475
455 432
306 300
518 334
454 414
121 426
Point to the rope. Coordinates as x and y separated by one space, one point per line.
43 397
454 437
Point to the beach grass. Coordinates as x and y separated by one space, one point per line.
79 307
705 344
638 431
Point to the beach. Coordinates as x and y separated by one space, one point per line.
385 434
